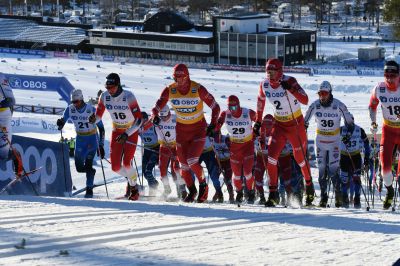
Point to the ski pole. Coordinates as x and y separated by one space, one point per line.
3 129
397 181
102 167
374 170
63 158
354 168
140 146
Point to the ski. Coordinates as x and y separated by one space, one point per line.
18 178
110 180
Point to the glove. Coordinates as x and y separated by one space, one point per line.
100 152
306 126
156 120
5 103
346 139
374 128
256 128
210 131
60 123
92 118
122 138
286 86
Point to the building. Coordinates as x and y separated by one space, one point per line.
247 40
165 35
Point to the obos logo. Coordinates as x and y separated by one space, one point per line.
318 114
109 107
175 102
383 99
28 84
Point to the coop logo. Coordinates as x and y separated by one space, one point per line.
27 84
35 158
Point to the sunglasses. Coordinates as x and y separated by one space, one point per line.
323 93
75 102
233 107
110 87
391 75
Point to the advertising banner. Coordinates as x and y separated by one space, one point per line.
54 177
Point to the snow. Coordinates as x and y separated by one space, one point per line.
115 232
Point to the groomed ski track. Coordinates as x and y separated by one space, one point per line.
108 232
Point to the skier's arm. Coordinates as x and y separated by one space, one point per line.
373 104
253 115
210 101
8 97
134 107
260 103
100 127
294 87
367 148
310 112
161 102
348 118
220 121
100 108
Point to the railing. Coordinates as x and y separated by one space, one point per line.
38 109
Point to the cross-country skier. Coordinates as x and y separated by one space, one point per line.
221 145
187 97
285 95
354 142
328 112
127 119
87 140
7 101
166 133
239 123
149 139
388 94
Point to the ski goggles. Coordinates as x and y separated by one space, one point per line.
323 93
233 107
390 75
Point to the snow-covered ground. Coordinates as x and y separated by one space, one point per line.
110 232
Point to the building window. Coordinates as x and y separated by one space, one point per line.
292 49
306 47
297 49
311 47
287 50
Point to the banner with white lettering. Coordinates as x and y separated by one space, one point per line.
41 83
53 179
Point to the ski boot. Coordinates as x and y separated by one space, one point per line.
310 194
251 195
153 185
389 197
357 202
167 191
239 196
262 200
345 200
282 198
192 194
218 197
338 200
127 190
203 192
89 193
324 200
134 193
273 199
181 190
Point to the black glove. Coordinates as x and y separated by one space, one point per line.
122 138
156 120
60 123
346 139
100 152
92 118
286 86
210 131
5 103
256 128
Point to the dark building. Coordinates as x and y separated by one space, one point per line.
165 35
